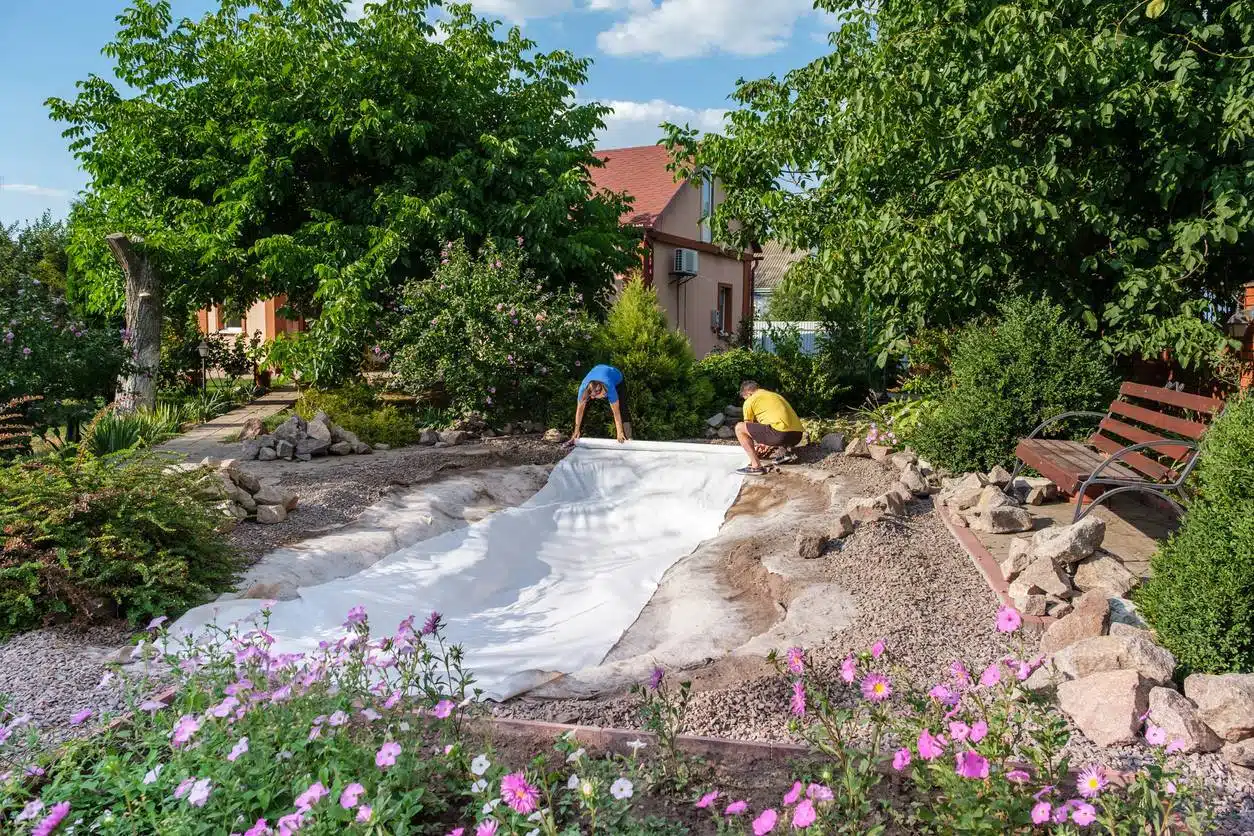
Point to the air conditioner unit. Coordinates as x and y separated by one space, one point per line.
686 262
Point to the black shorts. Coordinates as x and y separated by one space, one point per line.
771 437
623 408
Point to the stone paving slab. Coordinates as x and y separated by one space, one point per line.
210 439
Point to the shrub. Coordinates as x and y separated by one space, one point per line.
667 393
358 408
1200 597
486 336
724 371
88 536
1008 375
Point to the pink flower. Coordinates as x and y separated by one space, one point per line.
798 698
972 765
959 672
392 700
386 756
240 748
848 669
901 759
708 799
991 676
431 624
793 794
486 828
1018 776
1175 745
1083 814
356 615
959 731
930 747
443 709
199 793
818 792
876 687
979 731
1040 813
260 828
183 787
877 649
364 812
1091 781
803 815
311 796
187 726
518 794
796 660
1155 736
80 717
736 808
1008 619
291 823
765 822
156 622
351 795
51 821
943 695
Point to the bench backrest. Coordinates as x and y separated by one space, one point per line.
1150 413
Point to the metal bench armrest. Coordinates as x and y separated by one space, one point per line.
1064 415
1146 445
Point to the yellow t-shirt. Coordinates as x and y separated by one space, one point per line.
769 408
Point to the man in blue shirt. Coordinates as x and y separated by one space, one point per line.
604 382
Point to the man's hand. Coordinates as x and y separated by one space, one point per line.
574 437
622 436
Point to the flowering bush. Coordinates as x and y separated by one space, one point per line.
46 351
487 337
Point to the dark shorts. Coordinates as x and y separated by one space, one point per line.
771 437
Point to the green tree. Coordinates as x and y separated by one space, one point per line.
666 391
280 147
34 250
946 155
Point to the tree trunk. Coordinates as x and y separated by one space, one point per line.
138 387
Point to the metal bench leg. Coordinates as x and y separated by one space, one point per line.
1081 511
1014 474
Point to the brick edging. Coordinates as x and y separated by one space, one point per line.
986 563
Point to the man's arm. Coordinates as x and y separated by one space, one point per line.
618 421
578 418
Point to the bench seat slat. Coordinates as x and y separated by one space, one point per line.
1068 463
1136 435
1197 403
1159 420
1144 464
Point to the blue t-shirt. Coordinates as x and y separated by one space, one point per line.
608 376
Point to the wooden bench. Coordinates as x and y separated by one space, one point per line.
1146 442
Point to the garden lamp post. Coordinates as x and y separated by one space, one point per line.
203 351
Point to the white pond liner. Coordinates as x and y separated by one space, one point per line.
538 590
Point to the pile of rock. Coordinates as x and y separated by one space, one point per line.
240 495
723 424
915 479
1109 672
1047 570
300 440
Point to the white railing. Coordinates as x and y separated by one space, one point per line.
808 332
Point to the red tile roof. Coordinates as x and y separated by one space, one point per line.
641 172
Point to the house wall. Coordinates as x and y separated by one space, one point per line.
689 304
262 316
1247 352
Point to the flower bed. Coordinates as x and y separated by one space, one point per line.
375 736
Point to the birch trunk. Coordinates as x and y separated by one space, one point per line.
138 388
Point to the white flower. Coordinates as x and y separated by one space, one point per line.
575 755
480 765
151 776
535 816
534 832
586 788
636 745
404 726
490 806
621 789
573 782
479 786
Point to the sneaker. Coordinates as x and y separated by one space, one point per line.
751 471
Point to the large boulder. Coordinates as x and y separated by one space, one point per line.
244 500
319 430
858 448
292 430
1106 706
271 514
1070 543
1224 702
994 497
963 493
284 449
725 432
340 448
253 428
716 421
1116 653
842 528
879 452
244 479
1175 715
833 443
250 449
1043 573
1034 490
1003 519
455 437
1240 754
1104 571
904 458
276 495
913 479
311 446
901 491
428 438
267 454
1088 619
998 476
1123 611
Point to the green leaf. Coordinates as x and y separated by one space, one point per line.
1155 8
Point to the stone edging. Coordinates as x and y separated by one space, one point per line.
987 564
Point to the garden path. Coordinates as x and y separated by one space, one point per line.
209 439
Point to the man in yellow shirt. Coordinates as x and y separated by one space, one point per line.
770 423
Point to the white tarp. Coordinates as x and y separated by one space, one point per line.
544 588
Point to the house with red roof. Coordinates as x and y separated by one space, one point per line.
705 289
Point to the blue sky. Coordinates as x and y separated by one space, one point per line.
654 60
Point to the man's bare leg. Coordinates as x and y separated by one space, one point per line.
746 444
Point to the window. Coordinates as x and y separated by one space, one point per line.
725 308
707 206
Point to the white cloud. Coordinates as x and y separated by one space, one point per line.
636 123
513 11
693 28
36 191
